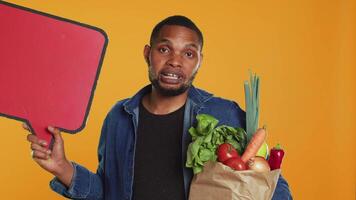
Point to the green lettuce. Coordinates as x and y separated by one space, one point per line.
207 136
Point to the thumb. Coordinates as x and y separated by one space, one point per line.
56 134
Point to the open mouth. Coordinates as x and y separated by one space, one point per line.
171 77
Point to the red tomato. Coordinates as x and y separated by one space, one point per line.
236 164
226 151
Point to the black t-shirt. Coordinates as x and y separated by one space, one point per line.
158 173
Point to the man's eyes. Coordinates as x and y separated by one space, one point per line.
163 50
188 54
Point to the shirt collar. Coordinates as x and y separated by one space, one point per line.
197 96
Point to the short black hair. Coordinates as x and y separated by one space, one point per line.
178 20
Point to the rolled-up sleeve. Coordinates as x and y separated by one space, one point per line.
84 185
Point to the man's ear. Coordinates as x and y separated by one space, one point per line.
201 59
146 53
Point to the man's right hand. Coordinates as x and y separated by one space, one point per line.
53 161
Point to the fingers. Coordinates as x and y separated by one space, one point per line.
34 139
40 151
36 147
40 155
56 134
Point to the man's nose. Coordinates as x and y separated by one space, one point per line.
175 60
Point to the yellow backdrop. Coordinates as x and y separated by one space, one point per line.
303 49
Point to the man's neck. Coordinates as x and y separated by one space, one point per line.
158 104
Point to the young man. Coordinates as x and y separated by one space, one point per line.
144 139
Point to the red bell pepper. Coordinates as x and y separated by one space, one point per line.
276 157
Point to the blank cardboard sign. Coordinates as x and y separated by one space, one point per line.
49 67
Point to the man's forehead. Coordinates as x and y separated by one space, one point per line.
187 44
169 33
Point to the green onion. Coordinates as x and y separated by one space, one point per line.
252 104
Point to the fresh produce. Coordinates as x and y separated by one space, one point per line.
207 136
211 142
226 151
276 157
258 164
236 164
263 151
252 97
255 143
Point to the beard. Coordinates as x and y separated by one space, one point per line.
170 92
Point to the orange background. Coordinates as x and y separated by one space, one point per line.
304 51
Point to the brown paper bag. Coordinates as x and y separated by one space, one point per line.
219 182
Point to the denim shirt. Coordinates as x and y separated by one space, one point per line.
113 179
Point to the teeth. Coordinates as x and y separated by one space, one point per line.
171 75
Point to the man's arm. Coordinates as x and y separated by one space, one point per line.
53 161
282 191
71 180
85 184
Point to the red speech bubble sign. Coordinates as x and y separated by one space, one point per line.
49 67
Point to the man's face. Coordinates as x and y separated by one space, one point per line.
173 59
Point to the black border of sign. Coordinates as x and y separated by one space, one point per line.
97 72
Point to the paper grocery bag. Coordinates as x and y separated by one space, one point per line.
219 182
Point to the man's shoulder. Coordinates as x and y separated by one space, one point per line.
227 111
120 103
216 100
220 104
118 107
213 100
